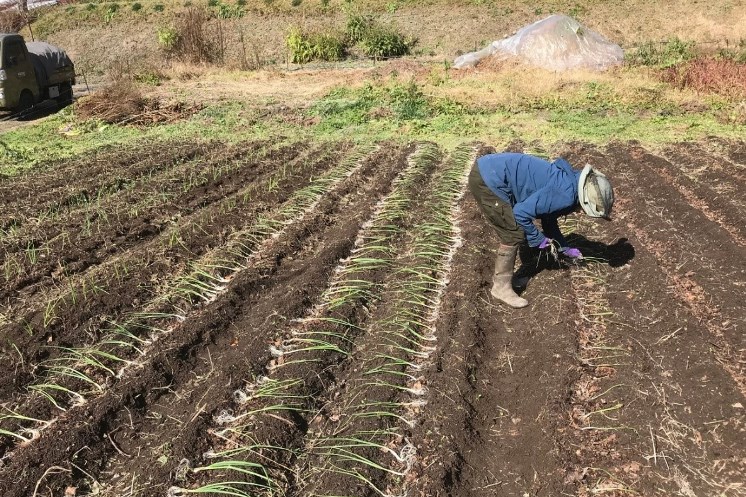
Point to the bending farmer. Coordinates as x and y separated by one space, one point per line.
513 190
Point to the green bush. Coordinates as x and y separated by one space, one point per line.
736 54
305 47
242 3
111 10
148 77
671 53
168 38
158 7
90 6
296 3
212 3
384 42
358 26
226 11
137 7
70 9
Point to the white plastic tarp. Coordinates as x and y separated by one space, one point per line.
556 43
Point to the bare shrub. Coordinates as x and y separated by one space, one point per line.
199 39
12 20
720 76
251 56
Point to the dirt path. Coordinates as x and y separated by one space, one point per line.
500 382
698 254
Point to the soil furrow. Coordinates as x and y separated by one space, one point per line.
724 209
79 256
698 255
320 329
89 335
734 153
204 223
305 374
643 358
640 429
499 384
265 319
82 179
81 324
708 169
378 396
260 288
84 237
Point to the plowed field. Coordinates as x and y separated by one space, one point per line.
315 320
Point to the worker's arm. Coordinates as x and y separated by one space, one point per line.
551 229
544 203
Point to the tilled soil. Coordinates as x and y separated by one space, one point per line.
624 376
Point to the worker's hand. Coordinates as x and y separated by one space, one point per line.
572 253
547 242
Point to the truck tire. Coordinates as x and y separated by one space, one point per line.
66 95
25 104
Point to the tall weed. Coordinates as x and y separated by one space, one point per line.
384 42
194 38
305 47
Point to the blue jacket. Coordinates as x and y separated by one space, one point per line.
535 188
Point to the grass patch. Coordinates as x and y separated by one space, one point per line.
64 135
596 111
670 53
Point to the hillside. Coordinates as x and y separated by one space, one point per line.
99 35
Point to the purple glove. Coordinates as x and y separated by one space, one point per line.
547 242
573 253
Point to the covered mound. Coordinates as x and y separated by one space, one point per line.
556 43
47 60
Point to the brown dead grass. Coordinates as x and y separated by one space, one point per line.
719 76
122 102
444 29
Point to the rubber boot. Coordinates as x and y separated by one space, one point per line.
528 267
502 288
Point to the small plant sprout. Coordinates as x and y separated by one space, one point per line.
24 434
405 340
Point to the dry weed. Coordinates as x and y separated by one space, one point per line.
723 77
199 39
122 102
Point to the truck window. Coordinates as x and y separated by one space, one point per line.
13 49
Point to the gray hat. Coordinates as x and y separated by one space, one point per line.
595 193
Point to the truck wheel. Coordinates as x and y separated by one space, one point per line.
25 103
66 95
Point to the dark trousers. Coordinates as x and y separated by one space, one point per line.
497 211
